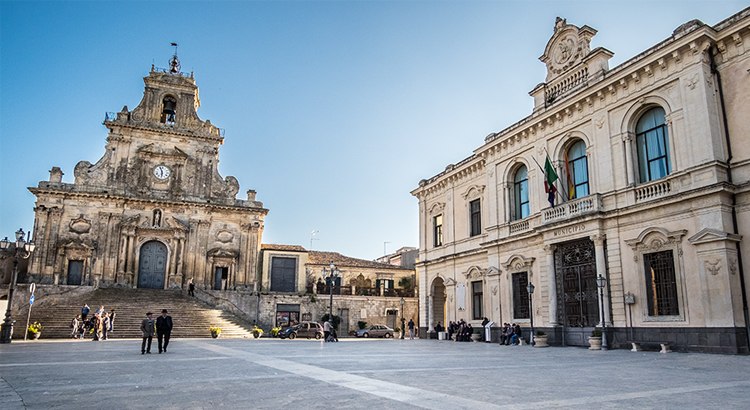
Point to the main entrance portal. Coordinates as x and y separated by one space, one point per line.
152 265
578 303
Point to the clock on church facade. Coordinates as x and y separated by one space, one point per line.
153 212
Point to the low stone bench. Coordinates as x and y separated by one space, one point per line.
637 345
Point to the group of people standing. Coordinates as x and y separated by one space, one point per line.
99 324
162 326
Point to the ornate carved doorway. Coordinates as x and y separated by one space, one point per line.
152 265
578 303
438 303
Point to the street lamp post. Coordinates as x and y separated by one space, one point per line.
403 302
530 290
23 249
601 283
332 275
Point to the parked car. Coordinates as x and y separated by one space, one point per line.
304 329
375 331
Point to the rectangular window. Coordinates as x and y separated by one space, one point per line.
437 223
661 284
476 217
283 274
520 296
476 292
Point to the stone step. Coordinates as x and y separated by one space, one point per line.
191 317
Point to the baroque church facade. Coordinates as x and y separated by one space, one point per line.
153 212
650 165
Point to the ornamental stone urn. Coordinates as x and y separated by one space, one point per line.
540 341
595 342
475 337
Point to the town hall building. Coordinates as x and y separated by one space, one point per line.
623 198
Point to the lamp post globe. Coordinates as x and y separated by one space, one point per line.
22 249
330 277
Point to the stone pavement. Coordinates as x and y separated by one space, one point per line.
372 373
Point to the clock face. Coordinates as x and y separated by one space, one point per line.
161 172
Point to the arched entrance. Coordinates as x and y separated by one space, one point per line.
152 265
438 303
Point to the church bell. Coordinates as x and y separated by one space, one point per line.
169 107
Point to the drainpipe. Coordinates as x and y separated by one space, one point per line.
717 76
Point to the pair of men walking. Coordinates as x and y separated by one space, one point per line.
162 326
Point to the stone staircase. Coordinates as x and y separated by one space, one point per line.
191 317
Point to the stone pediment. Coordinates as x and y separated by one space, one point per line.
222 253
73 244
567 48
707 235
153 151
518 263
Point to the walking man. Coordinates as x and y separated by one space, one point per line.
326 330
148 327
191 288
85 311
163 329
411 329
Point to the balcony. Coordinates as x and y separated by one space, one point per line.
653 190
572 209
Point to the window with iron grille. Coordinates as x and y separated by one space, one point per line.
477 292
661 284
437 224
476 217
520 296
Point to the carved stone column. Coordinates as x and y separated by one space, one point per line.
123 259
430 314
627 139
601 269
131 257
552 283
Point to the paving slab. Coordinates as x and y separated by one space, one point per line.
361 373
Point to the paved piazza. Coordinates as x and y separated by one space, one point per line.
384 374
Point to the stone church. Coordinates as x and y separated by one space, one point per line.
153 212
623 198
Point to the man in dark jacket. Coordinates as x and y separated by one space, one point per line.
163 329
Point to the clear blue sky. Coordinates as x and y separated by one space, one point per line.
333 110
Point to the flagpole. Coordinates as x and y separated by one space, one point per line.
567 195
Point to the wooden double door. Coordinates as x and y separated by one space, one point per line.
152 265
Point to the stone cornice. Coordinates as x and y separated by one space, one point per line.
136 200
148 127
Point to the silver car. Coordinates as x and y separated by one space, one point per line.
376 331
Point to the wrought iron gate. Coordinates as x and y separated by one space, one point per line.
578 303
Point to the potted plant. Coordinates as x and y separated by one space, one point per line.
35 330
215 331
476 336
595 340
540 339
257 332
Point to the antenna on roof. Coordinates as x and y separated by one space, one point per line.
384 252
312 234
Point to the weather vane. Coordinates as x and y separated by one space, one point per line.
174 63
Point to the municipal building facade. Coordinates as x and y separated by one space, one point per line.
652 159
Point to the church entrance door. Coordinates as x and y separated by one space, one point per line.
220 278
575 266
152 265
75 272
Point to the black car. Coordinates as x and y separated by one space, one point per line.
304 329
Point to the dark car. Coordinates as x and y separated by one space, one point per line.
304 329
375 331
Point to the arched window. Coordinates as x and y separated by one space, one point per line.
578 170
653 150
521 194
